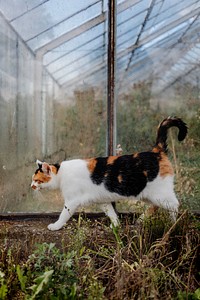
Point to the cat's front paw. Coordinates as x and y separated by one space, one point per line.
54 226
115 224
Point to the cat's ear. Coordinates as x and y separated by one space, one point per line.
39 163
46 168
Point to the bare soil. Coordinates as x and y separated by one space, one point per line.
22 236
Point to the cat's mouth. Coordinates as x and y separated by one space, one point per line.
34 187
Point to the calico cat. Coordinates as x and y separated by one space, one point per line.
145 175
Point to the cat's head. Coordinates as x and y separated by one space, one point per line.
44 176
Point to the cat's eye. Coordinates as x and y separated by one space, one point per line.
38 181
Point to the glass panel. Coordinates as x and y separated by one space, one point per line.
48 15
52 106
76 74
168 14
157 77
73 44
131 23
78 64
130 13
19 7
81 51
64 26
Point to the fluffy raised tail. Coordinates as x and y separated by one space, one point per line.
161 140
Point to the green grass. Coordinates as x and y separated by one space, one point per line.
152 260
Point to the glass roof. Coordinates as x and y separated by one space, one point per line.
156 39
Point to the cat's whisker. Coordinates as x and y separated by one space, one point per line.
37 194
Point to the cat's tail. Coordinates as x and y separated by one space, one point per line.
161 140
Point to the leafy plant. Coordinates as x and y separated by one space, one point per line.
3 287
189 296
22 278
41 284
52 272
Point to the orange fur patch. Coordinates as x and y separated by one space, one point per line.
91 164
119 178
145 173
41 177
111 159
165 166
54 169
158 148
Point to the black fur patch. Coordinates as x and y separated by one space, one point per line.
39 169
127 175
100 170
57 166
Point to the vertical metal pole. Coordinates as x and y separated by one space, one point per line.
111 97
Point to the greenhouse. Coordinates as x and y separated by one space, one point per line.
80 77
89 91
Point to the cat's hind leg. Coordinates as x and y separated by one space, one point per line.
67 212
171 204
110 212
